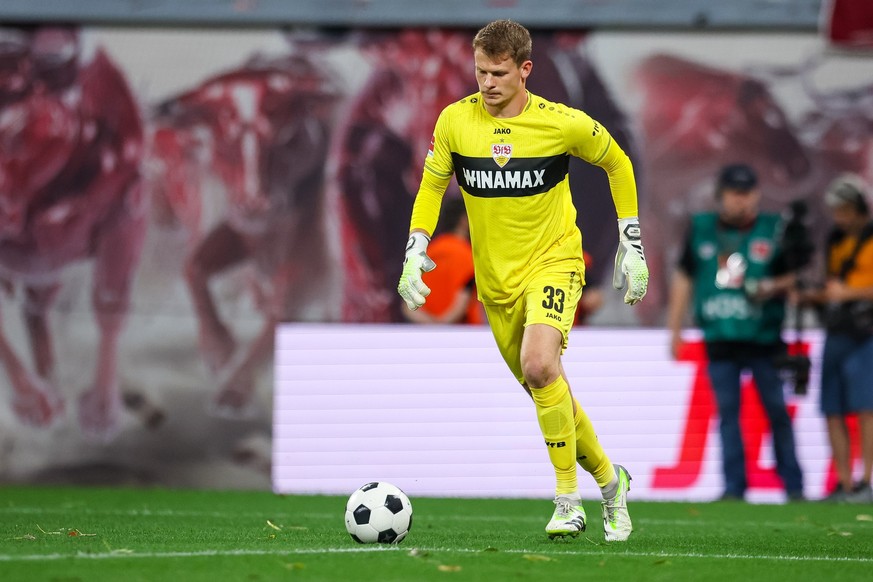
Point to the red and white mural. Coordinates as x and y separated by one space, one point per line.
167 197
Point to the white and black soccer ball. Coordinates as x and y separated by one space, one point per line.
378 512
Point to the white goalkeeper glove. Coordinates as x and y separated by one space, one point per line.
630 262
411 287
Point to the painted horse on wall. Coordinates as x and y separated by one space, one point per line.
253 142
71 141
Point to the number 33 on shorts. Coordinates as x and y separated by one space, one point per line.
554 298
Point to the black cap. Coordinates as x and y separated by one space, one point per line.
737 177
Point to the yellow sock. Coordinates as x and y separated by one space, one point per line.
555 414
589 453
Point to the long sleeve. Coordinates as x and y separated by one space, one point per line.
426 209
590 141
621 180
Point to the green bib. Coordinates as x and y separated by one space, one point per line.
728 262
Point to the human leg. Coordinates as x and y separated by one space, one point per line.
589 453
769 386
552 401
550 303
865 420
540 364
550 306
835 406
861 491
838 436
725 378
857 370
613 480
540 358
533 355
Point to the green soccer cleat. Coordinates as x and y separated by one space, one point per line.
568 519
616 520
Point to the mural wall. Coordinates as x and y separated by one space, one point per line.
168 196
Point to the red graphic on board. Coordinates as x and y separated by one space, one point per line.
700 417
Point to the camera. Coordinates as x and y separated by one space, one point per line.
797 245
797 248
794 368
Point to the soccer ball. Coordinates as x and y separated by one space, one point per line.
378 512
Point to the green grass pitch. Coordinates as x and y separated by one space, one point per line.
68 534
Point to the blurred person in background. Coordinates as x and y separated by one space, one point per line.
452 296
733 270
592 296
846 302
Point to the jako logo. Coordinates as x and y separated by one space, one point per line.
502 131
556 445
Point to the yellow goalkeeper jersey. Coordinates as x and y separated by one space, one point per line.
513 174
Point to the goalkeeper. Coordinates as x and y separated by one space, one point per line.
509 151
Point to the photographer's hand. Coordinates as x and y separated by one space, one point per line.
811 296
836 291
759 289
681 289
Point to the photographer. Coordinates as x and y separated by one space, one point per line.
734 270
846 303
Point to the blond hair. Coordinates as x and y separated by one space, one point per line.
504 38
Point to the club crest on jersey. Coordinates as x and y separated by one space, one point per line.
760 250
501 152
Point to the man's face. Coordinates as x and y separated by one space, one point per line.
500 79
739 206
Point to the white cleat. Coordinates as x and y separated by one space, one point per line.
568 519
616 520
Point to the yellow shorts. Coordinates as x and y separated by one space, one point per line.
551 298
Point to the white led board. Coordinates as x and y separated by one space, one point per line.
434 410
